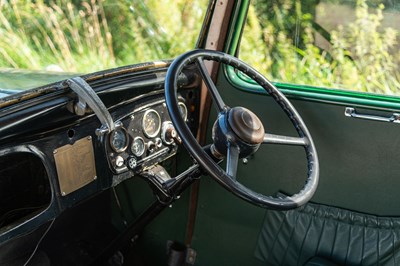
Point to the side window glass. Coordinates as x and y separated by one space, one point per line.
353 45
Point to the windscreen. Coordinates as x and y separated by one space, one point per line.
58 39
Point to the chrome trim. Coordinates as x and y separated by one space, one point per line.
284 140
351 112
186 110
88 97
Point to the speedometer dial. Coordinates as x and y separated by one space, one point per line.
151 123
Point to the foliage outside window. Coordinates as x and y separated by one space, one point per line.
326 43
86 36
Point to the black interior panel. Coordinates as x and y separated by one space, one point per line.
24 188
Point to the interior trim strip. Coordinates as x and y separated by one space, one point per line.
351 112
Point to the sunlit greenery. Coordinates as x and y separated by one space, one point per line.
86 36
363 55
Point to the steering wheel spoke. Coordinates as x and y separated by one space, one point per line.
284 140
210 85
232 160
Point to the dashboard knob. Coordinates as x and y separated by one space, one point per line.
158 142
169 134
151 146
132 163
119 161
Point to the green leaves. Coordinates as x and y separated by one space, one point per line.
362 55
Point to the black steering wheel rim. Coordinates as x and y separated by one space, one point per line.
209 165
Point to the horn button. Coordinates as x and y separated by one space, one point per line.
246 125
240 127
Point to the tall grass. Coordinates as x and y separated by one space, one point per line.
86 36
92 35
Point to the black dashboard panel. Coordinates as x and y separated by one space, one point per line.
24 188
146 137
42 123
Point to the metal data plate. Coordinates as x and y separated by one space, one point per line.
75 165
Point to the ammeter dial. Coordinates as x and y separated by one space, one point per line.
151 123
119 139
138 146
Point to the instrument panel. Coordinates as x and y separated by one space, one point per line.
143 138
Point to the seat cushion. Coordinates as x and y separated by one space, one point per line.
316 261
341 236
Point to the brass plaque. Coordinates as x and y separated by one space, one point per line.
75 165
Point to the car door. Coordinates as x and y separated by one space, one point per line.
338 63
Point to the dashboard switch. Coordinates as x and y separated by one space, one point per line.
160 174
168 133
119 161
158 142
132 163
151 146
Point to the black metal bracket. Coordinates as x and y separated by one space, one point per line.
163 185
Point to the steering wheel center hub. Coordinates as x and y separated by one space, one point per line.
240 127
249 121
246 125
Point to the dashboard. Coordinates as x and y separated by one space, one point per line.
53 158
143 138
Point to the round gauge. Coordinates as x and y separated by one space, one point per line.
137 147
151 123
183 110
119 140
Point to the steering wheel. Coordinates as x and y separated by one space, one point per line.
238 132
